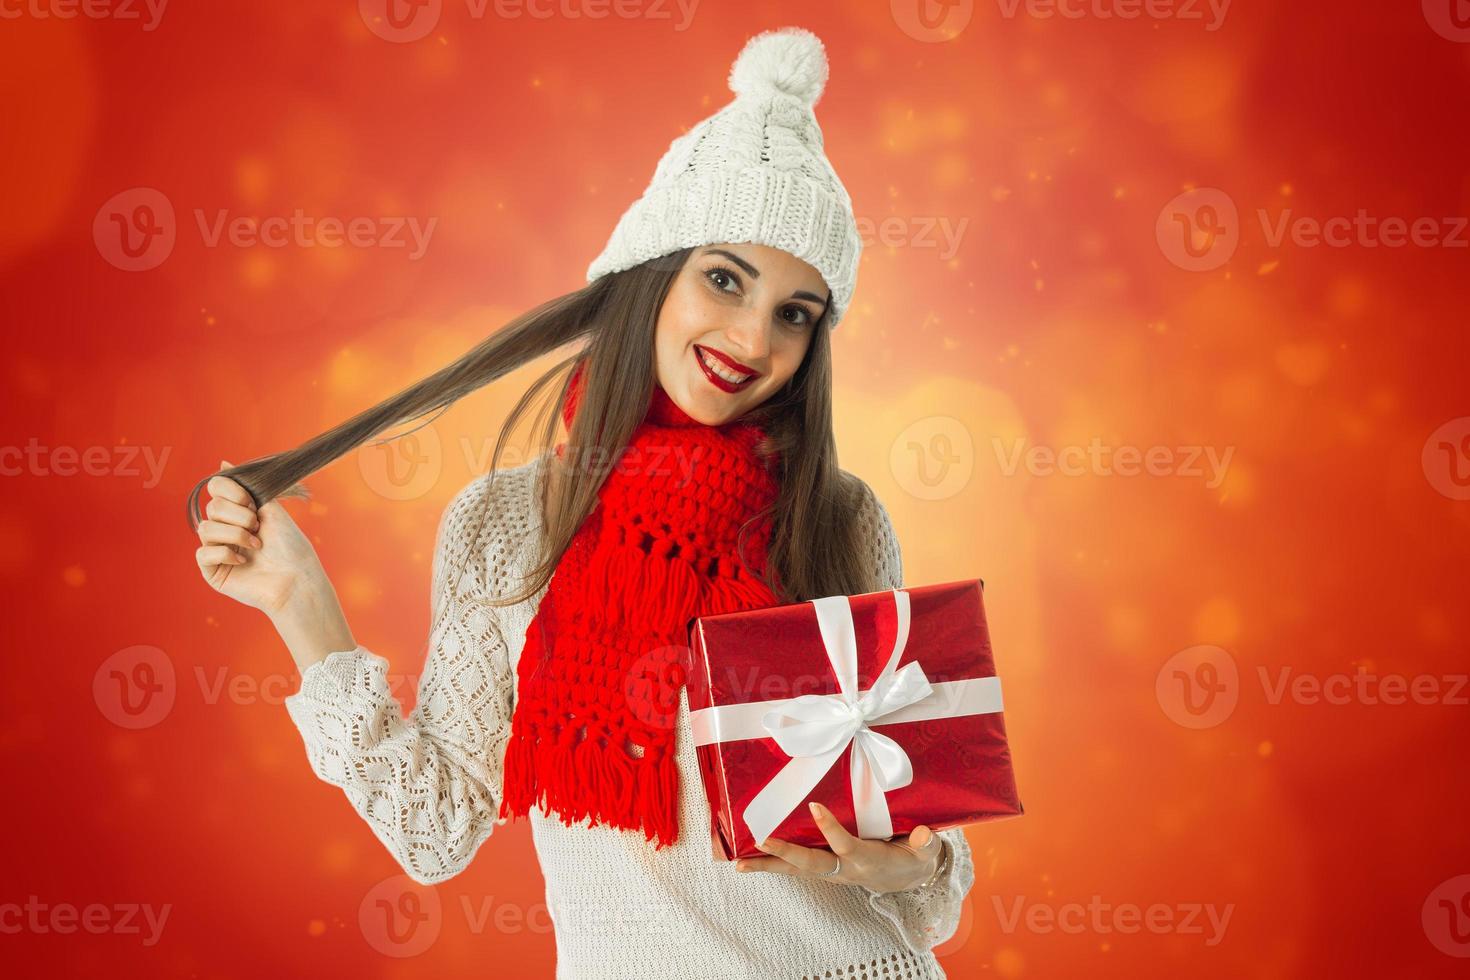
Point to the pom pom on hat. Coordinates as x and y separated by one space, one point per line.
790 60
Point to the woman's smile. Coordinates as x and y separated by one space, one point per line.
723 371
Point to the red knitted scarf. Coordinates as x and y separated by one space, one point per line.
598 682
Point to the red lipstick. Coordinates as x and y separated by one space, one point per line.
732 366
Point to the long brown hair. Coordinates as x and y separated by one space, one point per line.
814 546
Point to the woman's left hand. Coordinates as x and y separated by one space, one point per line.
884 866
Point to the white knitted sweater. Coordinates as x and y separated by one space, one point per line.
430 785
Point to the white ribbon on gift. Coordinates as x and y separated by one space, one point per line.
816 729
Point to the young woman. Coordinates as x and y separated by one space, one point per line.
698 475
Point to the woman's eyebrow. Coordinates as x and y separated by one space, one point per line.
755 273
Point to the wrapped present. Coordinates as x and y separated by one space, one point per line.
884 707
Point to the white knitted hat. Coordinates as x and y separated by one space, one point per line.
752 172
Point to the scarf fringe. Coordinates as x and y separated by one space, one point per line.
606 784
657 594
657 791
735 595
518 777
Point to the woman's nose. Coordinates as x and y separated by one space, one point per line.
750 336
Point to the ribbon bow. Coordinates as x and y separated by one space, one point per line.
815 729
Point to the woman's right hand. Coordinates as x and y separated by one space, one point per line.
255 556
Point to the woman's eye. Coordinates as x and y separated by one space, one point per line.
721 273
805 314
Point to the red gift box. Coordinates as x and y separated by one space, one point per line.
884 707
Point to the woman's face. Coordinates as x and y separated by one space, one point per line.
734 328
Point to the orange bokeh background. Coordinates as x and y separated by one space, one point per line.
1027 284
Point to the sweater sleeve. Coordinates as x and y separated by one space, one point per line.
429 786
921 917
